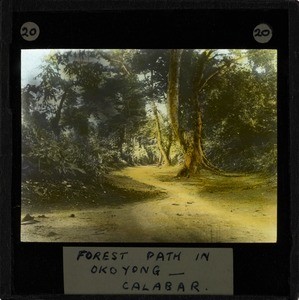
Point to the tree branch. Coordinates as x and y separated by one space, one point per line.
209 78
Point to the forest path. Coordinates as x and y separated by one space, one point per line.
149 204
205 208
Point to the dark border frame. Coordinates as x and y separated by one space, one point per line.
294 145
6 161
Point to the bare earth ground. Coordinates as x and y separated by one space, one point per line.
205 208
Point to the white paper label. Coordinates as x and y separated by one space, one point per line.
120 270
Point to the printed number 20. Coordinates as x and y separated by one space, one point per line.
258 32
27 32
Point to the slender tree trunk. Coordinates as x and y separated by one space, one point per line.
169 144
56 120
165 156
121 142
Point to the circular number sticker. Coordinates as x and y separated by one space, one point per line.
262 33
29 31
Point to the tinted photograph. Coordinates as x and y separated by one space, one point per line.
149 145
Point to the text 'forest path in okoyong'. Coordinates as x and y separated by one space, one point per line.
204 208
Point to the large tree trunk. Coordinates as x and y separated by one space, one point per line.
195 157
190 140
173 91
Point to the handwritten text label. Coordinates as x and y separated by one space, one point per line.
119 270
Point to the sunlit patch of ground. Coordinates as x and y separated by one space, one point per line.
148 204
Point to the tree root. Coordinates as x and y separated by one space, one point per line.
205 165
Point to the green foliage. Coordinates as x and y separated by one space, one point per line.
49 156
92 111
240 118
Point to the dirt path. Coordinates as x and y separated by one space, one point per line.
243 209
207 208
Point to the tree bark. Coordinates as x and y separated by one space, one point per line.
190 140
173 92
164 155
195 157
56 120
120 142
